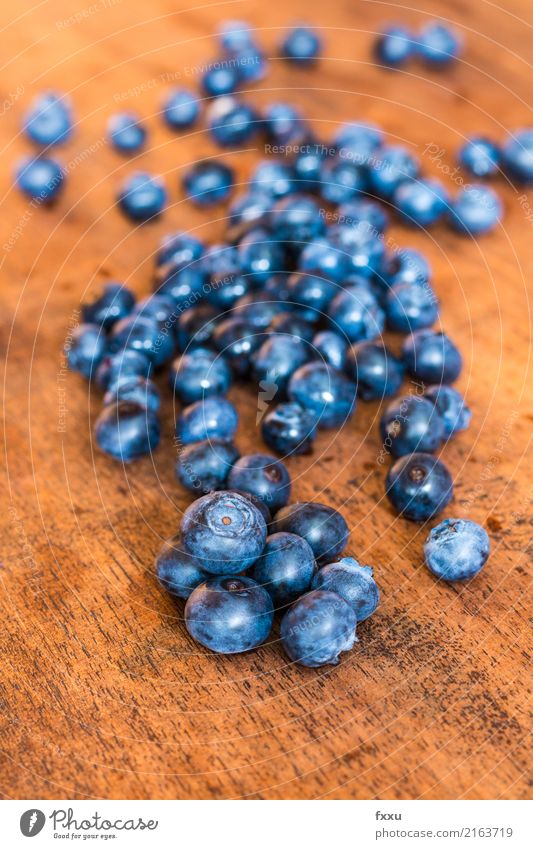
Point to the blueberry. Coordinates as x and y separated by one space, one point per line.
438 45
410 307
235 36
225 531
288 429
237 340
477 209
367 215
395 46
260 256
419 486
308 166
323 527
232 122
376 371
407 266
451 407
204 466
126 132
262 476
211 418
199 374
40 179
180 109
179 249
432 357
517 154
312 294
321 257
138 390
142 197
341 180
250 208
480 157
48 120
456 549
293 324
353 582
325 392
409 424
297 219
276 360
126 430
85 349
184 285
364 250
229 614
257 309
358 141
285 568
421 202
143 334
274 179
208 182
121 367
391 167
179 573
159 308
222 78
317 628
227 287
356 314
331 347
196 327
283 123
250 63
115 302
301 45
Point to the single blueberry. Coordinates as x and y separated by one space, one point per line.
208 182
250 63
274 179
225 531
235 36
276 360
160 308
285 568
356 313
308 164
480 157
421 202
211 418
287 428
364 249
85 349
395 46
419 486
143 334
40 179
410 307
142 196
353 582
284 124
321 257
258 310
196 326
262 476
179 249
322 526
456 549
260 255
250 208
125 430
406 266
376 371
178 572
432 357
48 121
183 285
204 466
229 615
121 367
115 302
226 287
325 392
317 628
237 340
358 138
331 348
477 209
180 109
138 390
199 374
294 324
302 45
312 294
517 155
232 122
438 45
365 214
126 133
297 219
410 424
391 167
455 415
342 180
220 79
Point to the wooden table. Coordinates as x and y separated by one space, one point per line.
104 694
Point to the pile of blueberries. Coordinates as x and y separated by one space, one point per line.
294 300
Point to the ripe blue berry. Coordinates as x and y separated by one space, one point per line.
204 466
317 628
342 180
323 527
237 340
353 582
410 307
451 406
331 348
432 357
222 78
325 392
358 142
258 309
85 349
119 368
178 572
517 153
421 202
438 45
367 215
142 197
356 314
181 109
285 568
126 132
184 285
225 531
301 45
419 486
199 374
159 308
210 418
143 334
274 179
232 122
321 257
48 121
179 249
125 431
288 428
480 157
208 182
395 46
263 477
407 266
375 370
477 209
297 219
411 424
283 123
311 294
40 179
260 255
250 208
363 248
276 360
115 302
196 326
308 166
138 390
456 549
391 167
229 614
235 36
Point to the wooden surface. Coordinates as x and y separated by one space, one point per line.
103 693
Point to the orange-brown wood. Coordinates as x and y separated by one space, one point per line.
103 692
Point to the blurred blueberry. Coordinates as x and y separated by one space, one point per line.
181 109
308 163
48 120
235 36
251 208
477 209
138 390
438 45
85 349
142 196
358 142
114 302
125 430
517 155
297 219
232 122
126 132
455 414
312 294
365 214
421 202
407 266
178 249
196 326
145 335
321 257
356 314
391 167
210 418
199 374
260 255
364 250
237 340
208 182
326 393
40 179
220 79
276 360
395 46
410 424
331 347
432 357
283 123
410 307
376 371
275 179
293 324
258 309
480 157
183 285
341 180
301 45
119 368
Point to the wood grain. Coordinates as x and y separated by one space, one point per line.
103 693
